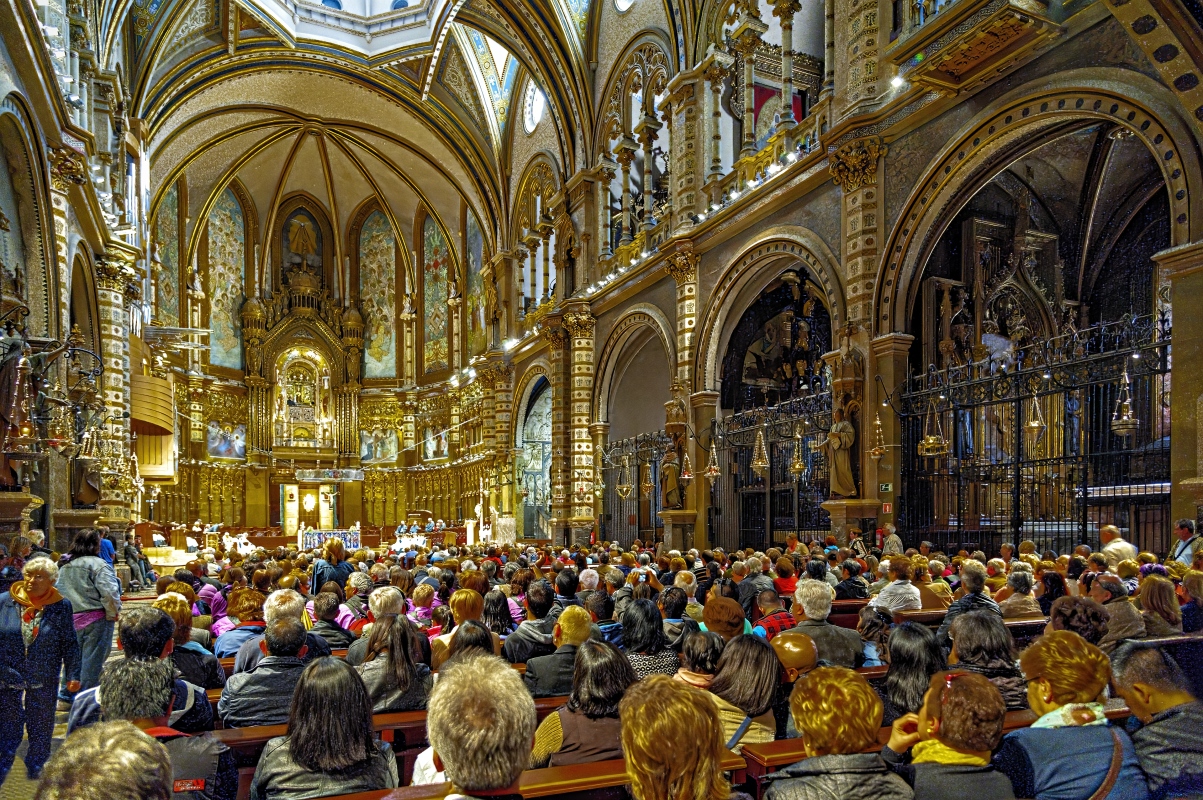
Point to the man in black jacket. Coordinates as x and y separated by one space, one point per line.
551 676
567 582
851 587
281 604
531 639
140 691
325 608
263 696
973 578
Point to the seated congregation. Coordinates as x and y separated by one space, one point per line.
502 671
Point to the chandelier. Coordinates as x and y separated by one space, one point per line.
712 473
624 486
933 444
645 480
760 455
1123 421
797 464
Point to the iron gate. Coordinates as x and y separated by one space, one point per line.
632 467
1047 444
758 508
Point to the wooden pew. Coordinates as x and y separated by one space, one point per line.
846 613
227 663
580 782
769 757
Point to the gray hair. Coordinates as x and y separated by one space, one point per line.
973 576
1021 581
43 565
754 565
283 604
1111 584
480 721
359 581
588 579
1135 662
815 599
739 568
37 536
686 582
644 559
107 761
615 578
136 688
386 600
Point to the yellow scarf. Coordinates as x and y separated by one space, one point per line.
20 593
933 751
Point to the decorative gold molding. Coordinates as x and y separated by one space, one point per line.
579 322
682 266
66 168
855 164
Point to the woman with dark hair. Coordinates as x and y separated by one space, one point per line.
519 582
1050 586
915 656
329 748
786 581
1073 574
470 637
874 629
90 583
496 616
395 679
644 640
587 728
981 643
699 658
332 566
743 689
1082 615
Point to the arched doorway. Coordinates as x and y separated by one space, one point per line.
533 466
1040 406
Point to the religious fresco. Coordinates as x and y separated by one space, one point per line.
475 301
226 440
227 265
434 290
12 245
434 444
167 271
378 298
378 446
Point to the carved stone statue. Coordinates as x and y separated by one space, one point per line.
670 484
838 448
301 238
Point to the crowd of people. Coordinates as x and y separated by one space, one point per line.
664 658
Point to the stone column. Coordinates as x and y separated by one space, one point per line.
828 49
703 408
520 299
1183 267
747 38
606 169
785 11
545 235
854 168
112 275
687 145
624 153
715 69
646 130
580 324
557 339
600 431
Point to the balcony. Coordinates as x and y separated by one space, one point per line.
956 45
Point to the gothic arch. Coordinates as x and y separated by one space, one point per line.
288 204
756 267
29 183
638 318
644 62
523 390
1002 131
82 310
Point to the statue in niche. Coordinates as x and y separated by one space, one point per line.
670 480
838 449
12 349
301 238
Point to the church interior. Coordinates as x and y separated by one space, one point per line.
699 272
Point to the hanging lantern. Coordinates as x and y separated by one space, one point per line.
686 476
645 480
1123 421
933 444
557 493
1035 427
624 481
797 464
712 472
879 441
760 455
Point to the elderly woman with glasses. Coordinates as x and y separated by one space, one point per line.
1071 752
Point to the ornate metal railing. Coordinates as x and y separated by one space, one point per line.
631 500
1047 442
772 479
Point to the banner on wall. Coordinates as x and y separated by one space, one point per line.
312 539
329 475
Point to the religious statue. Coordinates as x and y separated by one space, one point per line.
670 484
254 357
301 238
838 448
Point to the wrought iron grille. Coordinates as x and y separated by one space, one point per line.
629 462
1027 446
750 509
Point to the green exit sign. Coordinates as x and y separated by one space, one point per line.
885 488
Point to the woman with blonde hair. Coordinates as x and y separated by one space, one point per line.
1159 607
194 663
332 566
672 742
1071 751
838 715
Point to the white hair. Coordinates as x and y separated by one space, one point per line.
815 599
386 600
686 582
43 565
283 604
754 565
589 579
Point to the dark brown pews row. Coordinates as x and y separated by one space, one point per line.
227 663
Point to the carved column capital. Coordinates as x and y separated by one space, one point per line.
855 164
682 266
579 322
66 168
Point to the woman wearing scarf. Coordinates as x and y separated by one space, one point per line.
1071 752
37 638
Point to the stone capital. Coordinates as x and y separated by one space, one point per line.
112 273
66 168
682 265
889 344
579 322
1179 261
855 164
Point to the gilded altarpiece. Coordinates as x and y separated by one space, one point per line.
384 487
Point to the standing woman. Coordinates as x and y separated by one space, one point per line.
332 566
89 582
37 639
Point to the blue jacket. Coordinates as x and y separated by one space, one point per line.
324 571
90 583
54 647
1068 763
228 643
